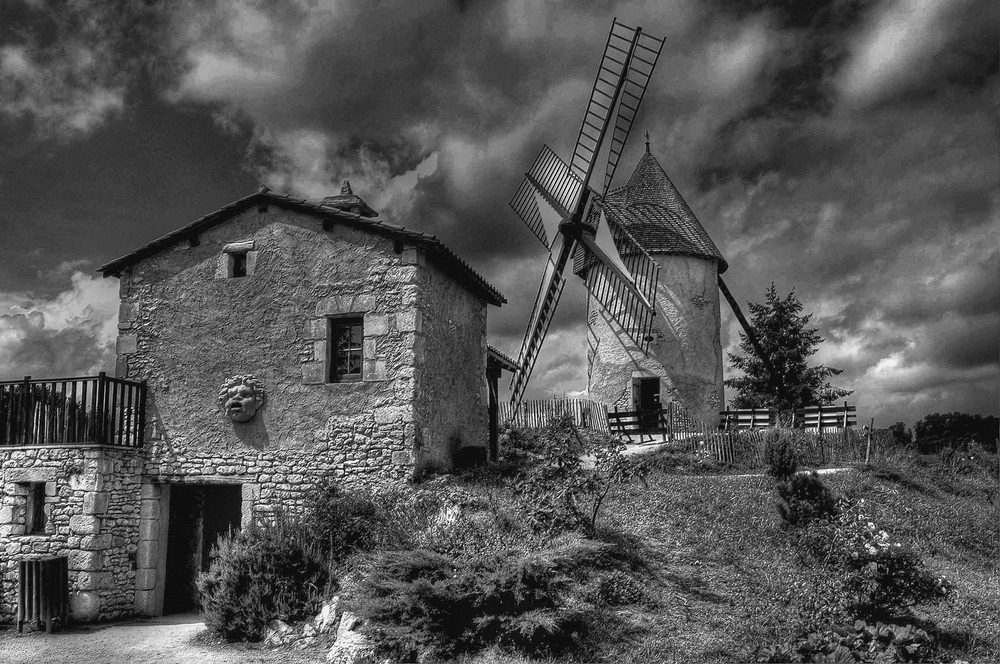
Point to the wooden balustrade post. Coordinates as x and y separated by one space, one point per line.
102 397
26 408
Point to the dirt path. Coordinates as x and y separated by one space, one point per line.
173 639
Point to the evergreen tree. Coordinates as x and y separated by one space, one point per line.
783 335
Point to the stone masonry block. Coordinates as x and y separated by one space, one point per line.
7 514
370 347
390 414
319 350
25 475
127 311
9 530
402 458
149 490
149 529
96 502
315 328
145 556
86 561
412 256
83 524
145 602
127 344
314 373
96 542
410 321
50 488
86 482
376 325
93 580
149 509
145 579
380 370
121 366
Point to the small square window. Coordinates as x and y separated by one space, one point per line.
238 264
346 349
34 521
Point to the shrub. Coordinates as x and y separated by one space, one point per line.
339 522
558 491
259 574
859 642
870 574
780 455
805 498
431 606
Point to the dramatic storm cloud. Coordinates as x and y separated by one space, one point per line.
847 149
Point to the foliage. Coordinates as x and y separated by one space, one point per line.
901 436
340 522
803 499
937 431
872 575
261 573
787 341
859 642
780 455
419 603
558 491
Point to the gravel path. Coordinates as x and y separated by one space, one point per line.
172 639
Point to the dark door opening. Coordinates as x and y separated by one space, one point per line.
199 514
648 398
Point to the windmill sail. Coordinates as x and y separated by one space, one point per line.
640 69
550 177
611 76
622 277
549 291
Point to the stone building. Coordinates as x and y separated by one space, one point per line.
684 361
280 341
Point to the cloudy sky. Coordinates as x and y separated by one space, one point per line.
844 148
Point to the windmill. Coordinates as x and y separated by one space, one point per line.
583 221
557 202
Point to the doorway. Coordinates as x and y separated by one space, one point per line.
199 515
647 401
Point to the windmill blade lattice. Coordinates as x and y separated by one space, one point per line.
647 51
549 292
551 177
619 298
611 75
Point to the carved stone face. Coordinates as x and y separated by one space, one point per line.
241 403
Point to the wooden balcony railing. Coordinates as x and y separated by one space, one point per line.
68 411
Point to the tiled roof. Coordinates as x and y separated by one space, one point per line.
436 251
656 215
503 361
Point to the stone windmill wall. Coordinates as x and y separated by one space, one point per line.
685 353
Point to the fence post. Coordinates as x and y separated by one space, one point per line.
868 449
102 396
26 409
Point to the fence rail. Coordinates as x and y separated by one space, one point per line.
67 411
538 413
812 417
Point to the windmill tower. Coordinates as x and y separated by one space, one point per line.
606 235
683 360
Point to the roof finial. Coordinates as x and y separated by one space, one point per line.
345 189
647 141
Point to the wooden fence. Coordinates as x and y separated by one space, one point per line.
67 411
538 413
812 417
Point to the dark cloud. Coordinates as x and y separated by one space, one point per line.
42 352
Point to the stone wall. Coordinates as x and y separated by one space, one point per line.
451 398
686 350
91 516
186 327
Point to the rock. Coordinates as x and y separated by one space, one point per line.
84 606
278 632
326 619
351 646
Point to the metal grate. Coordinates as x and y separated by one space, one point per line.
43 591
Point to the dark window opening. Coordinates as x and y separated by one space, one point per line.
238 264
346 349
34 521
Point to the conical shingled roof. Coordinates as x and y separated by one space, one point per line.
654 213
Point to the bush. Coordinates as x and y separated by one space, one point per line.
859 642
260 574
870 575
557 491
780 455
804 498
419 603
340 523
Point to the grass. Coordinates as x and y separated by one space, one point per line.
722 577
